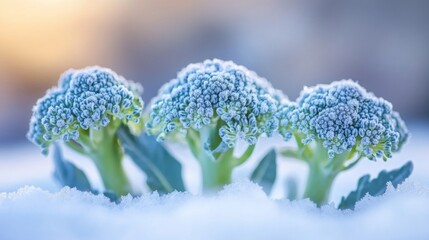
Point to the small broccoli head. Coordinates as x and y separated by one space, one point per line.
220 93
343 116
89 98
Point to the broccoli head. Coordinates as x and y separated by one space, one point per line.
213 104
215 92
335 125
84 111
90 98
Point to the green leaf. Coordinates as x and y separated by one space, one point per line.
110 195
377 186
265 173
163 171
291 188
67 174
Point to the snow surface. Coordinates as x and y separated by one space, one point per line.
240 211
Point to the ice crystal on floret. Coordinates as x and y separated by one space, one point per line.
216 92
87 98
344 116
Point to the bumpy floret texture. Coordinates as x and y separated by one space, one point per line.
84 99
344 117
212 91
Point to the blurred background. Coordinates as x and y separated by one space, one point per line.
382 44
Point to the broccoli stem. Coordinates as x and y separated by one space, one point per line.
216 166
322 173
108 157
104 149
319 183
216 173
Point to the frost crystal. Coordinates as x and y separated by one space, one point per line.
343 116
216 92
87 98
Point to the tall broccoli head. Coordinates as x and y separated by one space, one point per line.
335 126
213 104
215 92
85 111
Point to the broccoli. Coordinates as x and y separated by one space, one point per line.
85 111
335 126
211 105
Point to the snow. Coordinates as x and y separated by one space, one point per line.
240 211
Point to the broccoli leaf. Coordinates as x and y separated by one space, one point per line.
265 173
377 186
163 171
291 188
67 174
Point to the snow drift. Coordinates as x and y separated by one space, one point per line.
240 211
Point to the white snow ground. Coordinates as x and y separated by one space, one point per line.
241 211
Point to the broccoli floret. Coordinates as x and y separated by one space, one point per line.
213 104
335 125
84 111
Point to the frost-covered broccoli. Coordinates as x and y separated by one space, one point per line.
213 104
84 111
334 127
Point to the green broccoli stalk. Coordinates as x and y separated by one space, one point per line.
211 105
85 112
335 126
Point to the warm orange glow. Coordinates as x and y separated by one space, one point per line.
41 34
